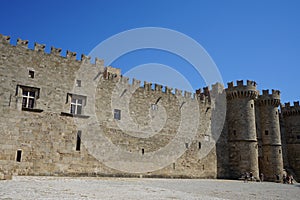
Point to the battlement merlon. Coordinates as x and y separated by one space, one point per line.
22 43
4 39
55 51
85 59
158 87
39 47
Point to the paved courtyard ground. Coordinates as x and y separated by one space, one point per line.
28 187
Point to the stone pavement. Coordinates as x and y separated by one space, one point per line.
28 187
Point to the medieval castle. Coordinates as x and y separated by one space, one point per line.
54 120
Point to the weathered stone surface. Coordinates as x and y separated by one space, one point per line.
140 120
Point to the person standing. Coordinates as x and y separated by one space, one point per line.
261 177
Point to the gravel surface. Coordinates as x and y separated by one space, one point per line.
29 187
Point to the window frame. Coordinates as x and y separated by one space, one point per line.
21 89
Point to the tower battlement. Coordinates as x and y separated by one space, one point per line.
287 109
241 90
267 98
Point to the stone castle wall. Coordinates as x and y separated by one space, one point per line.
87 119
47 135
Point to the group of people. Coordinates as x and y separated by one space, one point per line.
288 179
248 176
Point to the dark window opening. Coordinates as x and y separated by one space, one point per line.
279 151
173 165
202 167
19 155
78 141
234 132
199 145
78 83
31 74
266 132
186 145
117 114
298 137
251 105
143 151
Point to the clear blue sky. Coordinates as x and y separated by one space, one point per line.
257 40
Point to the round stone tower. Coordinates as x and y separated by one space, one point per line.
291 122
242 138
271 161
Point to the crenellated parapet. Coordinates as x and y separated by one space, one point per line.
40 48
148 87
288 110
203 95
241 91
270 99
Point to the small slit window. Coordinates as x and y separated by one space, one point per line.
78 83
31 74
19 155
117 114
78 141
266 132
143 151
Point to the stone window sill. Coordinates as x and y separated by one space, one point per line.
32 110
73 115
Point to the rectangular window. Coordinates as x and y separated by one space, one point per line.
298 137
117 114
76 106
19 155
266 132
77 103
78 141
29 97
187 145
31 74
78 83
